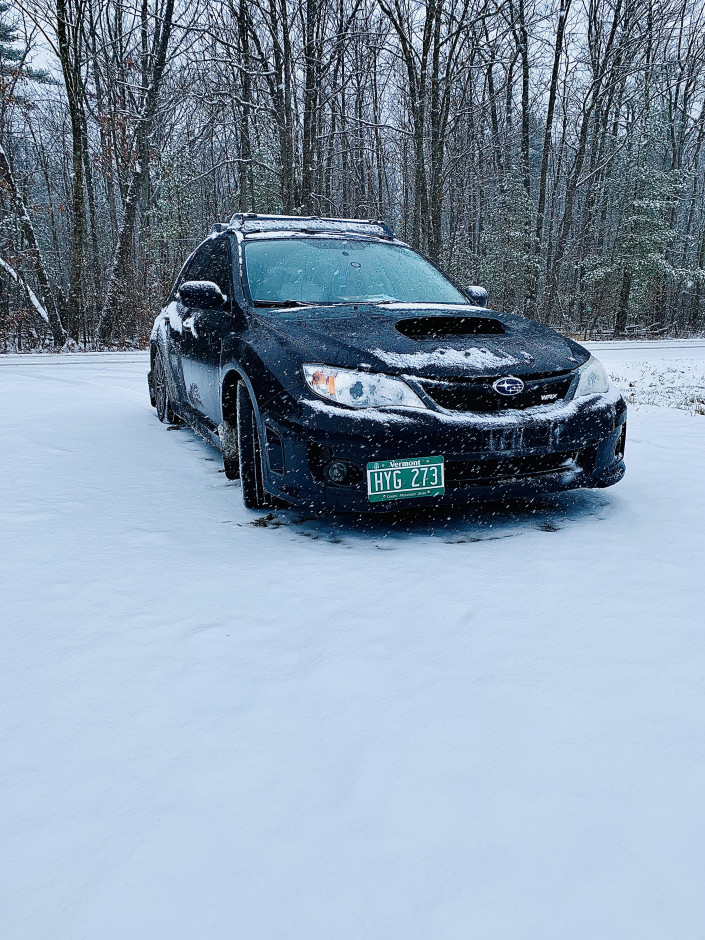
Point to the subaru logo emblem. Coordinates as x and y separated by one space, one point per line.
509 385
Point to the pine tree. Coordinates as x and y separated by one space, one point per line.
648 233
17 234
13 55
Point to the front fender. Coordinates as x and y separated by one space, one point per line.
271 382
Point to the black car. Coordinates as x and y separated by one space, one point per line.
337 368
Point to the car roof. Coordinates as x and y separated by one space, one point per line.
251 223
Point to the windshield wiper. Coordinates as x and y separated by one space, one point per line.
281 303
317 303
285 303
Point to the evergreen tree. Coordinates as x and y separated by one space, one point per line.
13 55
506 260
648 233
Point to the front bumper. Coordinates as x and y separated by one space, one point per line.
487 457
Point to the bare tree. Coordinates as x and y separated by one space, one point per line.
154 60
555 150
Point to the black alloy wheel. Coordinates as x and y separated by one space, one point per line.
161 391
254 495
229 449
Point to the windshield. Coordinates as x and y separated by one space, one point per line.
342 270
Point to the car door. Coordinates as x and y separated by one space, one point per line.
205 330
190 337
173 327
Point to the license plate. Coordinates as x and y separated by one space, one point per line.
404 479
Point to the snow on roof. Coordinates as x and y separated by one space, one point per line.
249 223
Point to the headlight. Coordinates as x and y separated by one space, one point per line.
359 389
593 378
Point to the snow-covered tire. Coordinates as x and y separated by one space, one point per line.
230 450
253 492
165 412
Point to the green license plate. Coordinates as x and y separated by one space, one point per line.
404 479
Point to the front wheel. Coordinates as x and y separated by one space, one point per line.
229 449
250 453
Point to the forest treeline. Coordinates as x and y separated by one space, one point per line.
552 151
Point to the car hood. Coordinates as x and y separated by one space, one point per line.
424 340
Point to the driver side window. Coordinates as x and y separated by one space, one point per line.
210 263
199 268
219 268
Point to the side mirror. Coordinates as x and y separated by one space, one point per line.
477 295
204 294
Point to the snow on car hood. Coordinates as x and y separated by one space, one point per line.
367 336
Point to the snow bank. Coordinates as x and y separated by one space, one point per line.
668 374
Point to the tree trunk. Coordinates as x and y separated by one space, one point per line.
546 151
115 292
54 318
68 35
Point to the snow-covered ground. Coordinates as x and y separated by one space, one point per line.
669 373
490 725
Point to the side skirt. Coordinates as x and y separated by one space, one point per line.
202 426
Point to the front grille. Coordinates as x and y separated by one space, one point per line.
479 396
459 473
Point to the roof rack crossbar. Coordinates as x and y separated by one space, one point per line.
241 220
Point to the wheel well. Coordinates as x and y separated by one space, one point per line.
230 383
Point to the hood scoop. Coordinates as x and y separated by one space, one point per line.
441 327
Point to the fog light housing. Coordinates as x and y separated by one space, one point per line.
621 444
336 471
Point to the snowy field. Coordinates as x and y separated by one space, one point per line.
488 725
